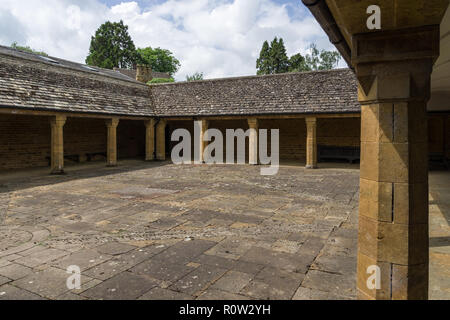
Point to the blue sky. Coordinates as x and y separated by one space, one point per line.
220 38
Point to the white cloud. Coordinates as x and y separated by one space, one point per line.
217 37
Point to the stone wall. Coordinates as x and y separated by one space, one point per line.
130 139
24 141
82 136
334 132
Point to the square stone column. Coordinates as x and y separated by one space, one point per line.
201 126
150 140
111 157
161 140
311 143
57 144
393 71
253 141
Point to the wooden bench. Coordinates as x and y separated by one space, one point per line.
351 154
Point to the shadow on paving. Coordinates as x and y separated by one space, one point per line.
30 178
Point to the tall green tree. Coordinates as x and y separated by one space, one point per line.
297 63
112 46
263 64
322 60
278 56
161 60
273 58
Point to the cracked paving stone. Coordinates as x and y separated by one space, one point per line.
122 263
4 280
125 286
15 271
41 257
8 292
233 282
198 280
344 285
84 259
49 283
114 248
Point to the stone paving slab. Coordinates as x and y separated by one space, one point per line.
9 292
165 294
156 232
198 280
84 259
125 286
49 283
14 271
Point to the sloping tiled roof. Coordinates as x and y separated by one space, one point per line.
333 91
43 83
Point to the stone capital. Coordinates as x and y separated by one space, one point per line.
395 66
112 123
253 123
150 123
311 120
58 121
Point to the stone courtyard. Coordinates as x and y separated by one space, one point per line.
159 231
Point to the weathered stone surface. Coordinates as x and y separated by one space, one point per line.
164 294
14 271
341 284
49 283
162 270
198 280
8 292
41 257
233 281
298 231
85 259
125 286
114 248
4 280
214 294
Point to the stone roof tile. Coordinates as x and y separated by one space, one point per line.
332 91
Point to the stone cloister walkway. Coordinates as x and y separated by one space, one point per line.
160 231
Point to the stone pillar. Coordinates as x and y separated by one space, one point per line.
57 144
311 143
111 156
202 144
393 71
161 140
150 140
253 141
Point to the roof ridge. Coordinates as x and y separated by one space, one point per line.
253 76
